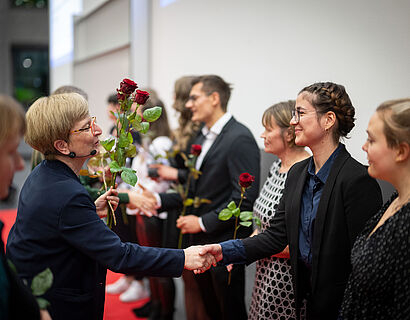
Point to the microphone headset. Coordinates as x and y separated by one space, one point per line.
72 154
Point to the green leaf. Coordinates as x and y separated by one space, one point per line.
131 151
245 223
236 212
42 282
121 156
225 214
145 127
12 266
188 202
129 137
114 167
42 303
152 114
123 140
246 215
108 144
132 116
128 176
137 125
232 205
257 221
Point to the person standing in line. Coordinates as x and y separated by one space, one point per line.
272 295
379 285
326 202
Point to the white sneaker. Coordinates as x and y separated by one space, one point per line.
135 292
119 286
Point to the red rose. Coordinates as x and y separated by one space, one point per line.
245 180
196 149
141 97
120 96
127 86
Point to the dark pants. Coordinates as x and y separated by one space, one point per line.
223 301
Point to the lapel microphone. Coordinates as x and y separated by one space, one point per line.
72 154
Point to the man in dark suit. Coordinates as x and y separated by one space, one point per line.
228 149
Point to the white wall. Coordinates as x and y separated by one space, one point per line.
269 50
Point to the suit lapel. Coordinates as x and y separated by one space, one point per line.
217 141
323 209
294 216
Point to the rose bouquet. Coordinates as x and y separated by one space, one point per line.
121 147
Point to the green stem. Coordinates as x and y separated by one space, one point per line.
184 207
236 228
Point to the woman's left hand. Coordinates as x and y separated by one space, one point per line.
101 203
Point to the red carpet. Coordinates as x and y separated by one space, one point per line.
114 308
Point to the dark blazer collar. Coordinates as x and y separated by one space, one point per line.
323 205
218 139
61 167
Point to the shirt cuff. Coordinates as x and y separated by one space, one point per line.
233 251
158 199
201 224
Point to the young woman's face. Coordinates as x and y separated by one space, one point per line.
10 162
379 155
308 129
273 139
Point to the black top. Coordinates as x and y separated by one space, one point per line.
379 285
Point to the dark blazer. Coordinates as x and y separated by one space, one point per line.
21 303
233 152
57 227
350 197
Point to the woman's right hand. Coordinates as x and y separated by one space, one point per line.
166 172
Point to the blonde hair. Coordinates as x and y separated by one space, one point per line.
281 113
395 115
52 118
12 120
187 129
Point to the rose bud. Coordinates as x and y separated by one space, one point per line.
127 86
141 97
196 149
245 180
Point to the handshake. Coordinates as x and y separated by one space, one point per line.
201 258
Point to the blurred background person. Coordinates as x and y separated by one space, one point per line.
272 295
16 300
379 285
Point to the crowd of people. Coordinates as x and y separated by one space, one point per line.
327 247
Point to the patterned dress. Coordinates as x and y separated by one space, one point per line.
379 285
272 296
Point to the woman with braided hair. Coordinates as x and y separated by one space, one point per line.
326 201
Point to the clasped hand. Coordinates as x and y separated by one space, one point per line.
101 203
201 258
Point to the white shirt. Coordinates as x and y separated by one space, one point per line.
210 137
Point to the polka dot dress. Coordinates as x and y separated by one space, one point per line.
272 296
379 285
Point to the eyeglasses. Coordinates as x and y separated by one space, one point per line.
91 127
297 114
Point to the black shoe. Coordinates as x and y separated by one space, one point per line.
144 311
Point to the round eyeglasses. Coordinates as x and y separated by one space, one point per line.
90 126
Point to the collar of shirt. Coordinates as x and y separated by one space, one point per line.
325 169
216 129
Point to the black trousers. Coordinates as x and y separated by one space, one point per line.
223 301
